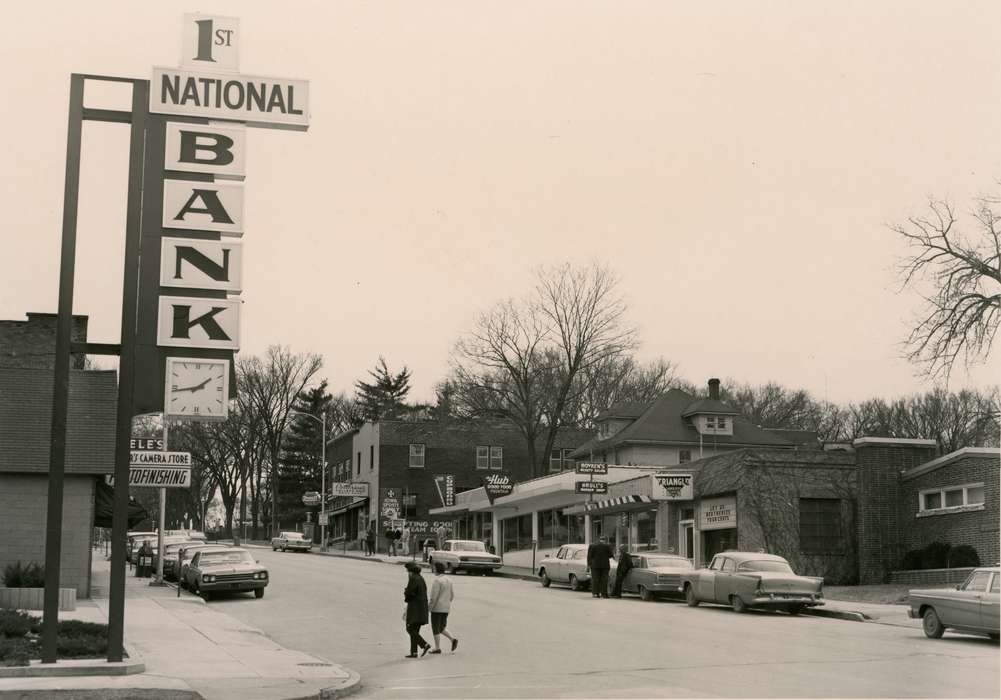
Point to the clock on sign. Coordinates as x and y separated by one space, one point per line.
197 389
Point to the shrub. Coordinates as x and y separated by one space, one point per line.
16 624
16 652
940 555
89 645
79 628
18 575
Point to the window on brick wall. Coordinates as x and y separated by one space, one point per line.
371 457
951 497
359 465
416 456
684 456
820 525
559 460
409 502
496 457
483 456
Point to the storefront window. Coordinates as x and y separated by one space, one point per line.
517 533
646 531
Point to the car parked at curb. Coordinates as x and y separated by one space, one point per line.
745 580
465 555
171 550
290 540
972 606
226 569
187 553
135 541
568 566
655 574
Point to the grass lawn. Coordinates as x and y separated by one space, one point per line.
890 594
20 639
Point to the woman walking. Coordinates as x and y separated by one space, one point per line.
440 603
416 614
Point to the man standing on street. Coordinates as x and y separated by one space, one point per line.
439 603
441 533
406 539
370 540
625 564
599 558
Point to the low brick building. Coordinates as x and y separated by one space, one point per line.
399 460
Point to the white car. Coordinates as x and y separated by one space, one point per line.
569 565
290 540
465 555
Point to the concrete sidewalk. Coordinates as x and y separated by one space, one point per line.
190 651
895 615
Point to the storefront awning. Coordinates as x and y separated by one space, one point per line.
619 504
349 506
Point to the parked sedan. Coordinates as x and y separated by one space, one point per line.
170 553
971 606
746 580
187 553
290 540
656 574
569 566
134 541
465 555
228 569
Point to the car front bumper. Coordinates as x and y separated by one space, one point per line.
780 599
666 588
248 585
914 614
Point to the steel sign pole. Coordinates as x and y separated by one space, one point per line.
163 513
60 389
323 483
126 369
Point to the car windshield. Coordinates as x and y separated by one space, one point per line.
468 547
225 557
676 562
780 567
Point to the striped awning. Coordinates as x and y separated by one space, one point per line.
618 504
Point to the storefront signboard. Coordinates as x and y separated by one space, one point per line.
350 489
591 468
389 504
445 483
591 487
498 484
718 513
671 486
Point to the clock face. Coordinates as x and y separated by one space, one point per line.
197 388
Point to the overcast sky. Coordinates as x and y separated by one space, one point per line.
736 163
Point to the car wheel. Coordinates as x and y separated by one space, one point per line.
258 592
575 584
795 609
931 624
690 598
546 581
644 593
739 606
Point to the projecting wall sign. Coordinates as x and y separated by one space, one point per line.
190 322
196 264
215 149
203 206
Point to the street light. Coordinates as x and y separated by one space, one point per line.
322 420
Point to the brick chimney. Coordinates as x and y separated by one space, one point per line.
714 388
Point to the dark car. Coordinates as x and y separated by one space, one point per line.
229 569
655 574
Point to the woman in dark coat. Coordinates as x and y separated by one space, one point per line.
416 597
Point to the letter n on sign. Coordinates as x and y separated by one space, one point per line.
190 263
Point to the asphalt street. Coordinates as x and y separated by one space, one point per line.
518 639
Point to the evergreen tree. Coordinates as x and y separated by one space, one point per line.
385 397
302 452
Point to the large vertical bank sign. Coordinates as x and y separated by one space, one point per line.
192 237
182 277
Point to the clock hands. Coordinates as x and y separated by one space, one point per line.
196 387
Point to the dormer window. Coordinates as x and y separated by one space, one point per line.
715 425
721 422
710 422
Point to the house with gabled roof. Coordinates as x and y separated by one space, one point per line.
675 429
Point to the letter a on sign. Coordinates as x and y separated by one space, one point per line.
193 322
203 206
196 264
218 150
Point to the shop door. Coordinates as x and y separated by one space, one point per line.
716 541
686 539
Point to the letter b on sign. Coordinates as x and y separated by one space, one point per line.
217 150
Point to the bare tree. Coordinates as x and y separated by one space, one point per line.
526 360
272 385
616 380
963 308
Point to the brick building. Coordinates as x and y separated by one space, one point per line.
26 380
405 456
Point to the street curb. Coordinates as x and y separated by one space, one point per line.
78 667
850 615
101 694
349 687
